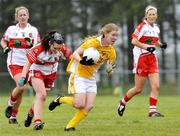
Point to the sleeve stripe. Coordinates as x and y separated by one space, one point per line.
31 57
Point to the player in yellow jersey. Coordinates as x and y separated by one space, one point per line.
82 81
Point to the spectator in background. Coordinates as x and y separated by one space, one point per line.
145 38
82 81
42 63
16 42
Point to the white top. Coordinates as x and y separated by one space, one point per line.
147 34
43 61
17 56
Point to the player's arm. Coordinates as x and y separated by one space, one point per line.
66 51
83 60
162 45
31 58
141 45
110 65
4 45
78 53
25 70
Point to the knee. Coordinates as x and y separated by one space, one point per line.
89 107
42 96
138 90
155 87
79 105
20 90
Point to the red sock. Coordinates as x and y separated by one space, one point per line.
14 112
12 100
124 100
152 103
31 112
37 121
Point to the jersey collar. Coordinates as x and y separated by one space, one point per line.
99 39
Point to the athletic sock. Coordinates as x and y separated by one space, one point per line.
11 101
124 100
152 103
31 112
81 114
36 121
12 117
14 112
66 100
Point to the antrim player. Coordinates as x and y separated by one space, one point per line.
42 63
144 39
82 82
16 42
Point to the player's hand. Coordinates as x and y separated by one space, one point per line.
22 81
28 41
84 61
110 68
6 49
163 45
151 49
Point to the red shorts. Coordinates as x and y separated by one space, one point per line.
147 64
47 79
15 69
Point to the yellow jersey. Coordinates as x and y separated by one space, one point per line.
106 53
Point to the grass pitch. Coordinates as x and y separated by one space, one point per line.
102 120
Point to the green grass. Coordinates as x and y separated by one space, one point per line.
102 120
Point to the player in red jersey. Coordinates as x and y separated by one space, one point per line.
16 42
145 38
42 63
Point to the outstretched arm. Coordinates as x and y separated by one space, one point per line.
26 68
22 80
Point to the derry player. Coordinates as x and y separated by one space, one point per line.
42 63
144 39
16 42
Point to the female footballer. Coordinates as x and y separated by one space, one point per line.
42 63
145 38
82 81
16 42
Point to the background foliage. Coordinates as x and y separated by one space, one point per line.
77 19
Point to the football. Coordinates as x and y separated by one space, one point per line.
92 53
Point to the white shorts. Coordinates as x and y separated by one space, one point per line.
81 85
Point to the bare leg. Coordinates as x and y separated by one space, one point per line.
40 97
